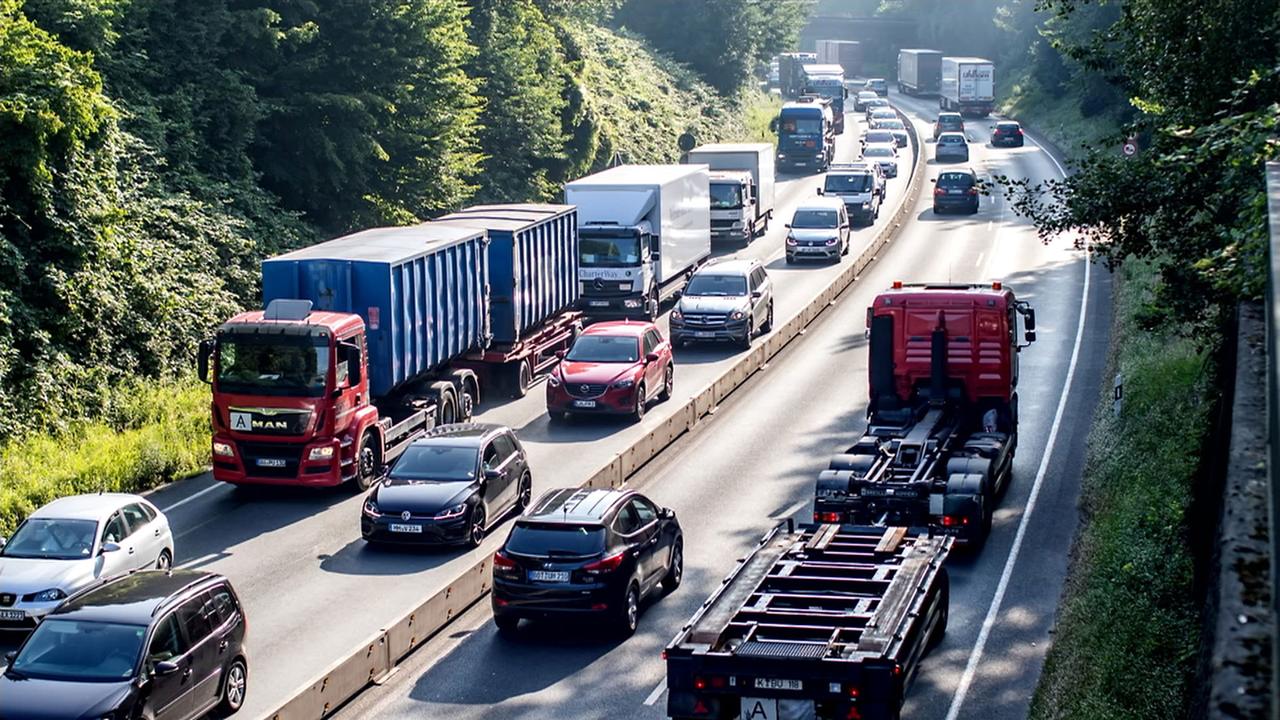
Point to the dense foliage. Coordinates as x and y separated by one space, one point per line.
152 152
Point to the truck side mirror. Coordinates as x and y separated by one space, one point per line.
202 360
1030 319
820 191
1031 336
773 125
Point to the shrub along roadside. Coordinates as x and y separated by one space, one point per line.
156 434
1128 627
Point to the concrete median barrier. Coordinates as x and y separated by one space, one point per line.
375 658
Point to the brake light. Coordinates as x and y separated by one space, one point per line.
939 191
503 564
973 191
715 682
826 517
607 565
954 520
1018 131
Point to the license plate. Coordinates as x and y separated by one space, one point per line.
704 334
584 403
813 249
549 576
778 684
598 303
955 192
890 492
397 527
13 615
272 462
776 709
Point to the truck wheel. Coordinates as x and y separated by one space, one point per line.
519 378
368 461
468 393
651 307
944 611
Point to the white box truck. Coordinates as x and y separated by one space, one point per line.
968 86
742 188
642 230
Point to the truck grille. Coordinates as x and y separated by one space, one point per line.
721 224
270 459
585 390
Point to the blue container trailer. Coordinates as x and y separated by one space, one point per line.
533 280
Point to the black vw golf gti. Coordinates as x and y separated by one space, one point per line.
449 487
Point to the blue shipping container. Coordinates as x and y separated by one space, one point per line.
422 291
533 263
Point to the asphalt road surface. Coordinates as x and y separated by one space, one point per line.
756 462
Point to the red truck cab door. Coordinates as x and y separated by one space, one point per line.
351 392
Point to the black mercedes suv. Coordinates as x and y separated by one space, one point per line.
152 644
597 553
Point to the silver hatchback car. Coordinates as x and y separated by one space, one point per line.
951 147
74 542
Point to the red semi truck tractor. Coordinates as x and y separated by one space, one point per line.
943 413
369 340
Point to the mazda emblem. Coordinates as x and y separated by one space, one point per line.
405 515
585 389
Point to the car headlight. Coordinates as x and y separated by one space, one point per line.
736 226
676 315
50 595
624 384
321 453
222 449
452 512
737 315
831 241
866 206
791 240
371 508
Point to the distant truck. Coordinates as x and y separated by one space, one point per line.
642 230
828 81
818 621
353 358
806 134
968 86
942 422
791 73
919 72
742 188
845 53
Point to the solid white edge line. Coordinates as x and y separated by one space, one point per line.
193 496
657 693
975 657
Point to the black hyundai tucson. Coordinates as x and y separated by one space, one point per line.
594 553
153 644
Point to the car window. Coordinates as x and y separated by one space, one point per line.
714 284
626 522
135 515
223 605
649 344
853 182
655 338
955 179
492 458
506 448
115 530
951 140
167 643
644 510
435 462
195 620
604 348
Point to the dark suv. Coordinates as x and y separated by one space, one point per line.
955 190
597 553
153 644
726 300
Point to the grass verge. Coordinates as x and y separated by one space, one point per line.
1058 116
1128 627
155 434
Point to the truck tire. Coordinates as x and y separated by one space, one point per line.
651 307
944 611
446 398
467 386
368 461
519 378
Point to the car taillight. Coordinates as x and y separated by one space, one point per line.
973 191
939 191
502 563
1018 131
954 520
607 565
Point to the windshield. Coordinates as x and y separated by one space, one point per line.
609 251
716 285
435 462
802 126
878 136
951 140
557 539
50 539
955 180
274 365
888 124
848 183
878 151
81 651
604 349
726 196
815 219
833 89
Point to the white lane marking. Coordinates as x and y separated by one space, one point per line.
197 561
795 507
975 657
194 496
657 693
981 255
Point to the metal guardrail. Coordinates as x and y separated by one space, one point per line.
374 659
1273 414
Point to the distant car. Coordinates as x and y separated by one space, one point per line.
595 553
894 126
956 189
871 106
860 186
72 543
727 300
948 122
951 147
818 230
879 85
884 154
450 487
876 137
1006 132
157 645
860 102
613 368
